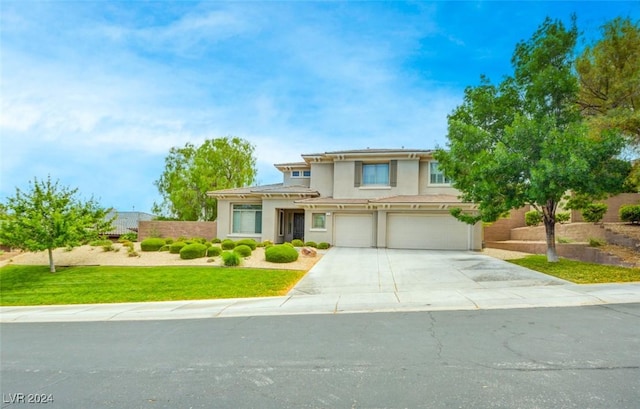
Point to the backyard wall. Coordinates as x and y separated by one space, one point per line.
501 229
173 229
614 203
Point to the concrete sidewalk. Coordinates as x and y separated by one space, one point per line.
368 280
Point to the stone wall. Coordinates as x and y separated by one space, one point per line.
574 251
174 229
614 203
501 229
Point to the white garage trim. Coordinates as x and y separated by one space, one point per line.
353 229
427 231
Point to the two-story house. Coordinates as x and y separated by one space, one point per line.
394 198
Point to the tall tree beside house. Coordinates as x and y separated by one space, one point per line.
524 141
609 79
49 216
191 171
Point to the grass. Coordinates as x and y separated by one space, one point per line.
34 285
579 272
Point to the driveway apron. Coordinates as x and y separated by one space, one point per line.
368 270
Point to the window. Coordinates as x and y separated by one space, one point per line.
300 173
375 174
247 219
318 221
436 176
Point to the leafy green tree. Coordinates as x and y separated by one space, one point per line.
524 142
49 216
191 171
609 78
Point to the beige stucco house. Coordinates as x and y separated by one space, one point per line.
394 198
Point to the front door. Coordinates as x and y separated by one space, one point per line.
298 226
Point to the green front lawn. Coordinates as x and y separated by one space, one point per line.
34 285
579 272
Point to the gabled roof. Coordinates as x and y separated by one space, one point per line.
277 189
126 222
364 153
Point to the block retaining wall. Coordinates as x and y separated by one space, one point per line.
175 229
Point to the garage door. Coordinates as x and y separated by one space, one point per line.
423 231
353 230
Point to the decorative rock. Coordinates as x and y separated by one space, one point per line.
309 252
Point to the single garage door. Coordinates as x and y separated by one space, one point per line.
353 230
425 231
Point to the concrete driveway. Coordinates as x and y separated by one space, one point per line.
368 271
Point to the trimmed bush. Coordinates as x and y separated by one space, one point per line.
216 240
630 213
230 259
323 245
247 242
128 237
594 212
563 217
311 244
297 243
166 247
214 251
200 240
596 242
227 244
152 244
169 241
193 250
533 218
281 253
265 243
176 247
242 250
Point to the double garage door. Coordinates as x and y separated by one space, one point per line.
404 231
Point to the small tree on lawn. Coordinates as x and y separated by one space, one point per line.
524 141
49 216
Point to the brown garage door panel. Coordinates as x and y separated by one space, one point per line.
424 231
353 230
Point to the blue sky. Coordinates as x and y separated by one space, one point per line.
95 93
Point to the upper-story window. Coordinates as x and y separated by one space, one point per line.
379 174
300 173
436 176
375 174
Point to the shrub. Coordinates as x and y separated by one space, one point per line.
193 250
216 240
243 250
265 243
166 247
169 241
594 212
630 213
311 244
101 243
200 240
214 251
286 243
593 242
281 253
152 244
323 245
128 237
133 254
563 217
533 218
564 240
247 242
230 259
176 247
297 243
108 247
227 244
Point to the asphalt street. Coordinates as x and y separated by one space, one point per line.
572 357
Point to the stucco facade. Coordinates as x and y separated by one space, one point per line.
361 198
